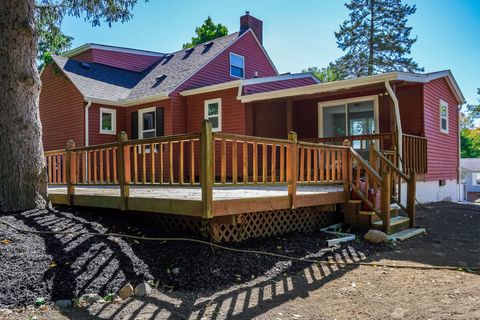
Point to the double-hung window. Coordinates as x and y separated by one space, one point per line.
237 65
146 123
443 116
213 113
108 121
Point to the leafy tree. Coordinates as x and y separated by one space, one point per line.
328 74
469 135
376 38
22 165
206 32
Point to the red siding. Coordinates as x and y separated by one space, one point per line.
122 60
305 118
61 110
270 119
218 71
94 135
233 111
411 110
442 147
278 85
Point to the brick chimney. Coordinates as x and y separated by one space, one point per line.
250 22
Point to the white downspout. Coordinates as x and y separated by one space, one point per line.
399 123
87 107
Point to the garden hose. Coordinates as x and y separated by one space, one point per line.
264 253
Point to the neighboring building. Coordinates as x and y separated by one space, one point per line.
470 169
96 91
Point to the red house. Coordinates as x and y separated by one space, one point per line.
95 91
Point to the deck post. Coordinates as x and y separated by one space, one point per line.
206 162
123 167
346 168
70 170
385 201
292 168
411 195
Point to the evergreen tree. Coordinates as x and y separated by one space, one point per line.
22 164
376 38
206 32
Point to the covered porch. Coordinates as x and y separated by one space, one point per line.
370 111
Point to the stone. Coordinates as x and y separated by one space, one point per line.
143 289
90 298
126 292
376 236
63 304
176 271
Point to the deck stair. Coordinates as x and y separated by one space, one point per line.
376 199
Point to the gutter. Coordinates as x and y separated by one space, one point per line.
399 123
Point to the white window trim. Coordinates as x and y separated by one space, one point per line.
330 103
205 112
441 104
113 113
230 65
140 120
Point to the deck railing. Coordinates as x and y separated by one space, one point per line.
208 159
414 152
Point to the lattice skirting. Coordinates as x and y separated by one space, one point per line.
255 224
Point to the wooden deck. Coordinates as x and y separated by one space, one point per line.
188 200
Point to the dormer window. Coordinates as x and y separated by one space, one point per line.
237 65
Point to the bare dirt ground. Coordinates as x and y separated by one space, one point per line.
279 289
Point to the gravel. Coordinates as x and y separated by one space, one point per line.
64 266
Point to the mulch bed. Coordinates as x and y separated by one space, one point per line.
65 266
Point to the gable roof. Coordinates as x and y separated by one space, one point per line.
110 85
359 82
89 46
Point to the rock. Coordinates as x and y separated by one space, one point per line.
63 304
126 292
90 298
376 236
176 271
142 290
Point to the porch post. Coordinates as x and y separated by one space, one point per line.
411 195
292 168
123 167
385 201
206 174
399 123
70 170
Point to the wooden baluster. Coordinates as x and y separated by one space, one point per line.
214 159
327 165
292 168
136 148
315 164
255 163
192 161
309 164
144 163
78 159
70 170
170 164
107 163
332 152
245 162
181 179
50 177
160 157
302 164
114 161
273 173
264 162
223 161
339 165
282 163
101 166
234 162
385 201
94 167
89 167
152 163
64 168
323 165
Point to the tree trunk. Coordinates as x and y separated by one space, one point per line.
23 182
371 38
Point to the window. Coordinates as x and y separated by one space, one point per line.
213 113
146 123
108 121
443 116
476 178
237 65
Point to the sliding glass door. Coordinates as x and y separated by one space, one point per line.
348 118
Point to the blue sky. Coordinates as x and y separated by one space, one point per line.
299 33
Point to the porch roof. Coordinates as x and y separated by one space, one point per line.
244 97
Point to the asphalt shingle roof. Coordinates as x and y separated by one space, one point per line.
105 82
